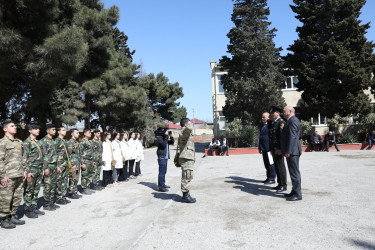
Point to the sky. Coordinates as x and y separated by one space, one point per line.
181 38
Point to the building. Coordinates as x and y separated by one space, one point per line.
290 93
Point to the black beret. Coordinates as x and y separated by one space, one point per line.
275 109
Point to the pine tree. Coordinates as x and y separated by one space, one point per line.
254 77
332 57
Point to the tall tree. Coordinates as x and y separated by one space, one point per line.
332 57
254 77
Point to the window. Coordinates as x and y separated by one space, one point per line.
222 123
291 82
319 120
221 88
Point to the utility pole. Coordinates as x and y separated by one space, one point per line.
193 122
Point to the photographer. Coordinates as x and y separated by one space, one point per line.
164 139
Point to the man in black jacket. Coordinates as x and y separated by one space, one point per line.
316 139
291 148
330 139
264 149
165 139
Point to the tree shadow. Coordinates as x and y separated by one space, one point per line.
167 196
151 185
362 244
250 186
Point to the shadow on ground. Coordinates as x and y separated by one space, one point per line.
167 196
253 187
151 185
362 244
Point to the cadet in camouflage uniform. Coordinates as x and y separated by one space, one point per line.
87 160
12 175
97 145
275 127
186 159
51 170
34 167
62 163
73 149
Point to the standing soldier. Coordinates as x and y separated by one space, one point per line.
73 150
276 126
34 166
97 146
51 170
12 175
63 162
186 159
87 160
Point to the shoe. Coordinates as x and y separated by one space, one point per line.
166 186
265 180
6 223
49 208
38 212
163 190
294 198
73 196
276 188
289 195
269 182
31 214
338 150
61 202
14 219
86 192
368 149
67 201
281 189
97 188
132 177
55 206
186 198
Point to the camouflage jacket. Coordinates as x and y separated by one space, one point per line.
97 146
186 144
33 154
48 147
62 159
87 152
73 149
12 158
275 129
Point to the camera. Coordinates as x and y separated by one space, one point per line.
160 132
169 133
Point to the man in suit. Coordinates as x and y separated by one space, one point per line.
264 149
291 148
330 139
316 139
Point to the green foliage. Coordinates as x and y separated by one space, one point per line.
254 76
305 127
304 142
347 138
333 123
243 135
332 58
368 122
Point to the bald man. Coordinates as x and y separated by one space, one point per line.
291 149
264 148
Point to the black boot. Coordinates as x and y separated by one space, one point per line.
37 211
186 198
7 224
14 219
31 214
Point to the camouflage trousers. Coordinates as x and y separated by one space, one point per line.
32 188
10 197
87 175
73 182
50 184
62 182
96 174
187 167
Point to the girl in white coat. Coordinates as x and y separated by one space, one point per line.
140 156
132 154
125 153
118 157
107 159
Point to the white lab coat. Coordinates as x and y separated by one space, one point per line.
125 149
132 149
117 154
140 156
107 155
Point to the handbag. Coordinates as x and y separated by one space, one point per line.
176 158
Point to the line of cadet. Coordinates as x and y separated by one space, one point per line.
57 162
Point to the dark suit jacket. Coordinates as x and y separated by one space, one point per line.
290 137
316 138
264 138
328 137
162 146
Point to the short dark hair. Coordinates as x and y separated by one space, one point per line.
7 122
32 126
96 130
106 134
50 125
114 134
184 121
72 130
130 134
86 129
59 128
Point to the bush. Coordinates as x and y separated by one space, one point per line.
305 128
304 142
347 138
242 135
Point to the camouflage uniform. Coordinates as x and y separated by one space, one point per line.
48 147
97 146
34 165
73 150
62 163
187 158
12 166
87 158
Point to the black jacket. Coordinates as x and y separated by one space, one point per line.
162 146
264 138
328 137
290 137
316 138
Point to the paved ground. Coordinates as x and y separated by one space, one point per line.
234 210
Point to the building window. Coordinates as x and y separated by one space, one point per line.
221 88
222 123
291 82
319 120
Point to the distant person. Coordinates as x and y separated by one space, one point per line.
371 139
165 139
224 145
330 139
264 149
214 145
316 139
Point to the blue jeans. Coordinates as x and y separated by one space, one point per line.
370 141
162 171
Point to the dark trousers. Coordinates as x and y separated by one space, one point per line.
221 149
131 167
312 145
126 170
212 149
270 168
370 142
162 171
278 161
331 143
120 174
107 177
295 175
137 168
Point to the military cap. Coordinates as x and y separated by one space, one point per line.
275 109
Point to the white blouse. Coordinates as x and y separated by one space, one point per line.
117 153
125 149
107 155
140 156
132 149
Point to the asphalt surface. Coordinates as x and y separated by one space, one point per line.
234 210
